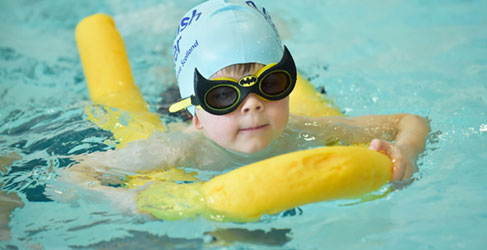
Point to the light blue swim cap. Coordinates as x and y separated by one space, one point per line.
220 33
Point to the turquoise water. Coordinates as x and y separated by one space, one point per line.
423 57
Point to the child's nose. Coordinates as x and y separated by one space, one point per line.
252 103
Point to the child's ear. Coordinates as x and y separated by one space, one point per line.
196 122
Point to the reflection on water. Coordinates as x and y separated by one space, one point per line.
275 237
219 237
8 200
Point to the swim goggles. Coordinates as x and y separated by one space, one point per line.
223 95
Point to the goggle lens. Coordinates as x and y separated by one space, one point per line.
222 97
275 83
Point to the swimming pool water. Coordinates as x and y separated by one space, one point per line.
374 57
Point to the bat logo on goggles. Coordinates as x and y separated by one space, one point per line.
247 81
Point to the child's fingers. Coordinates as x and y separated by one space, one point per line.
381 146
374 144
399 169
398 163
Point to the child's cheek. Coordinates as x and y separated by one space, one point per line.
223 131
279 111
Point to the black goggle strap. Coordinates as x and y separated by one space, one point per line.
203 85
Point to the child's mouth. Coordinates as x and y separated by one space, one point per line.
256 128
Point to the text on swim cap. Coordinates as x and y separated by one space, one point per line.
185 22
188 53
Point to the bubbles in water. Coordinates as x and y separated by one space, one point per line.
483 128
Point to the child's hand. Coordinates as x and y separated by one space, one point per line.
404 164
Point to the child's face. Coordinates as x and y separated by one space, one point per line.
249 128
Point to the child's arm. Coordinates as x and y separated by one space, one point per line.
157 152
83 182
94 174
409 140
407 131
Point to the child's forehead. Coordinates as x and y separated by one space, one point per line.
237 71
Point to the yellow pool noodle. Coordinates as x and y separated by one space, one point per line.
110 82
297 178
306 101
272 185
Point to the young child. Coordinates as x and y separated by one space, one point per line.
235 77
244 106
